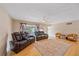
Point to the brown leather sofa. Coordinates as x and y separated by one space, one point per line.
21 40
41 35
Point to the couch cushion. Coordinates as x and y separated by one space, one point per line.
21 42
17 36
23 34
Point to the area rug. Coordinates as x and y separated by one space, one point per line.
52 47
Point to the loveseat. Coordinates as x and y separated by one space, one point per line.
41 35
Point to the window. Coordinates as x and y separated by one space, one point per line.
28 28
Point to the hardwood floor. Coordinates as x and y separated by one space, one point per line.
73 51
32 51
29 51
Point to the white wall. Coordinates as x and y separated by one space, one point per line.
5 29
15 26
64 28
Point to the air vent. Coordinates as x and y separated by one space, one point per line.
69 23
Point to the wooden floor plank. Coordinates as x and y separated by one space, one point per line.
73 51
29 51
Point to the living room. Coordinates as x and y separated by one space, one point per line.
38 27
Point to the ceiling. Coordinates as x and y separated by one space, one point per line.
50 13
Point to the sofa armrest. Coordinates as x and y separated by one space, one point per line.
14 44
31 36
11 45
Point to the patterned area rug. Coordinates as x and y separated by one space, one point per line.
52 47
